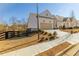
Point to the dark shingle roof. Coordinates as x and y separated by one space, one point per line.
64 19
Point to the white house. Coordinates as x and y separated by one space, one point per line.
46 20
69 22
49 21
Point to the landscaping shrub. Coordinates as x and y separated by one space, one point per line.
49 34
42 38
55 33
46 38
42 32
45 33
52 37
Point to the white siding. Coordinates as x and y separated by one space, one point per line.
32 22
45 20
55 21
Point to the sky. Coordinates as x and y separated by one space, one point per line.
18 10
22 10
62 9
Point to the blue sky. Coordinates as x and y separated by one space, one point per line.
62 9
22 11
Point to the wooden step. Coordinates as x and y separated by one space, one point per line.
72 51
55 50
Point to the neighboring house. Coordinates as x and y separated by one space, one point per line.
69 22
59 20
78 23
49 21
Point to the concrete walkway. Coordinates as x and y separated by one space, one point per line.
74 38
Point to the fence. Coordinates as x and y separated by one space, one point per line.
11 34
2 35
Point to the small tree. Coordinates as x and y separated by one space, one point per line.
6 27
24 23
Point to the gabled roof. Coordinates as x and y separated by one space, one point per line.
65 19
68 18
46 13
59 18
71 18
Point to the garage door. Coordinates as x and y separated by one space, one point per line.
45 25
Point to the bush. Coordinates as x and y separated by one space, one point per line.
52 37
46 38
42 38
49 34
55 34
45 33
41 32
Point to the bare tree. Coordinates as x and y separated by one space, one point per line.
24 24
18 24
13 22
5 25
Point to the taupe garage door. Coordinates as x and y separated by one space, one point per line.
45 25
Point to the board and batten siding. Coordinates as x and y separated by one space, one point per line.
32 22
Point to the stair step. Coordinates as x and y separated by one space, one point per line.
72 51
56 50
